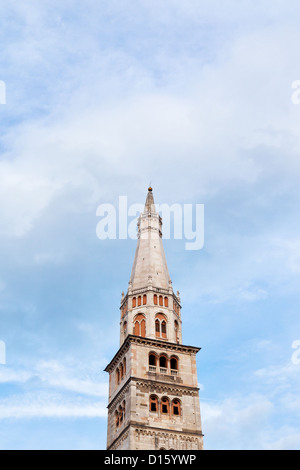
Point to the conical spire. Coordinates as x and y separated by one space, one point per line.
150 265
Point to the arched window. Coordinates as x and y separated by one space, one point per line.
125 328
144 299
143 328
120 415
153 403
164 329
124 365
155 299
176 327
117 419
160 326
117 376
140 325
176 408
161 300
157 328
176 307
121 371
166 302
165 406
163 362
174 363
123 310
139 301
152 359
124 408
134 302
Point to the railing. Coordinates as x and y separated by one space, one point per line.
163 370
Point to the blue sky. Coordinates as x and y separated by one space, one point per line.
101 98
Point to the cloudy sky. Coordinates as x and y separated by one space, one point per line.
103 97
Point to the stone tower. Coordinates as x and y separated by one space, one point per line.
153 388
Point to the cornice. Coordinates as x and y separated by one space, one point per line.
148 342
155 431
158 385
149 430
150 287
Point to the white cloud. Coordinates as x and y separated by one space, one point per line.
288 441
58 376
53 374
210 129
52 390
243 422
47 258
233 422
24 195
9 375
47 405
284 376
195 98
288 249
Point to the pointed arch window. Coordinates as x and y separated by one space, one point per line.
164 329
117 419
157 328
124 408
160 326
176 328
136 329
143 328
120 414
139 325
125 328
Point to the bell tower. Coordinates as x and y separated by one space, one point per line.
153 388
